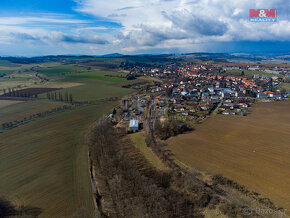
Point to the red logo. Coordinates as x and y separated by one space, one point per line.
263 15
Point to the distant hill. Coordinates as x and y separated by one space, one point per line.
161 58
113 55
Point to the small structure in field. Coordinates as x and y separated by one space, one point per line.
134 125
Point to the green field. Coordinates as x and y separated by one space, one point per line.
58 70
16 79
92 90
99 75
96 85
6 71
4 63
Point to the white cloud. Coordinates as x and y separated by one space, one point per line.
27 20
93 28
163 23
48 28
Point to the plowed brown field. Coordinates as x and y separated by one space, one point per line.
253 150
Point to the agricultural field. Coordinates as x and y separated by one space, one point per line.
102 76
44 163
6 103
17 110
17 77
58 70
84 82
4 63
5 71
253 150
92 90
32 75
252 73
95 85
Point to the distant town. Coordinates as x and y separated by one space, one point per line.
191 92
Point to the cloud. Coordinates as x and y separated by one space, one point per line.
192 23
93 28
184 23
47 33
23 36
57 37
49 29
82 39
29 20
145 35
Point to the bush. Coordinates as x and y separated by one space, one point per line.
170 128
6 208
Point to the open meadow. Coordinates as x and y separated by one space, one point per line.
253 150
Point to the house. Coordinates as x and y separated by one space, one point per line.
226 95
262 95
228 112
270 94
229 105
204 106
277 95
244 105
134 125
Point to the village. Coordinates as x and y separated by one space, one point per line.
191 92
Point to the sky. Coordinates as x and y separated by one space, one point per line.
96 27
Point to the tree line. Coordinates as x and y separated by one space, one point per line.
11 92
54 96
12 124
131 188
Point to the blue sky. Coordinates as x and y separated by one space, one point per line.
93 27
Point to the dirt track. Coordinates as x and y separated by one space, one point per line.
253 150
